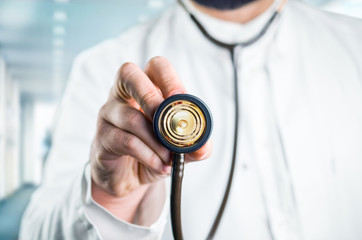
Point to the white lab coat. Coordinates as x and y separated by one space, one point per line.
299 164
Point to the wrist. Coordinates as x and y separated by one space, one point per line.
123 207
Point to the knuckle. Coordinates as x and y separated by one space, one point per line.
171 85
167 78
112 136
105 136
103 110
133 119
130 142
153 163
101 128
127 70
148 97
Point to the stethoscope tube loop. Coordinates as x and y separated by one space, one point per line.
178 156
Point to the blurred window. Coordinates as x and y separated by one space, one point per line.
351 8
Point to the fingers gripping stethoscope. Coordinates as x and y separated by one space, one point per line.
183 124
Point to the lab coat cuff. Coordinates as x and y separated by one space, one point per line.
109 226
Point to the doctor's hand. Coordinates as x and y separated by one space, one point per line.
126 159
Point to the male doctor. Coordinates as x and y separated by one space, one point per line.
299 157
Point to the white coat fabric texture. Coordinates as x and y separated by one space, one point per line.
299 162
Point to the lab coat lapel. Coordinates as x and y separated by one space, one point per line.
295 79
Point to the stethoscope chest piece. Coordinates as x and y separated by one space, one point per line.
182 123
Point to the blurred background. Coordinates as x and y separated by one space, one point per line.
38 41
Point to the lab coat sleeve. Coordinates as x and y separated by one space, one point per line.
71 213
62 207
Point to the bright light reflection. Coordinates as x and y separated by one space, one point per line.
58 42
60 16
59 30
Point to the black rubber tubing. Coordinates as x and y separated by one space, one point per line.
178 167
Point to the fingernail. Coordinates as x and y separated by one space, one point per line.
166 169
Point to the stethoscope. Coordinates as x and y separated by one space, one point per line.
183 124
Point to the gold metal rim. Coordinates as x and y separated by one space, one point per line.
182 123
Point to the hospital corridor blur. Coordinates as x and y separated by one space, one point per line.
39 40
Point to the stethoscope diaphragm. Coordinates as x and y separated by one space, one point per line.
182 123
